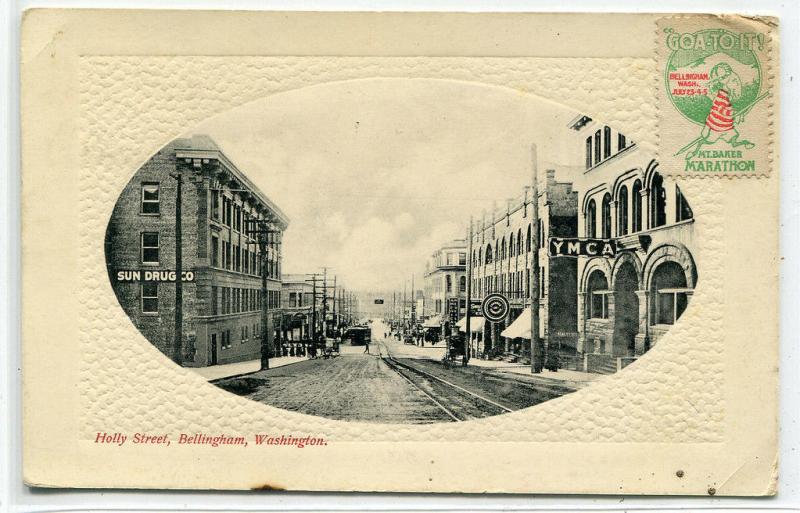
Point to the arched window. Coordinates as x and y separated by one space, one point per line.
497 251
488 254
480 257
597 294
519 241
658 202
636 196
606 216
503 248
622 211
682 209
597 148
528 240
511 245
462 284
589 152
541 233
669 293
591 219
606 142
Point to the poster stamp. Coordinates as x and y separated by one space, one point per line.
717 94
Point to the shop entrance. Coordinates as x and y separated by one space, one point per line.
213 349
626 310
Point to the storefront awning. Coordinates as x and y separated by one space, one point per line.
475 324
433 322
521 327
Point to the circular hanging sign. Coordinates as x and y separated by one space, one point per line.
495 307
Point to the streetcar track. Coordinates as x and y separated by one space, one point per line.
395 365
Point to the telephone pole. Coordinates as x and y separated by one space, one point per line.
263 230
467 327
537 345
314 279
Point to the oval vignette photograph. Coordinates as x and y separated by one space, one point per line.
402 251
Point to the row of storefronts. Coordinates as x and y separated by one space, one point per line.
597 312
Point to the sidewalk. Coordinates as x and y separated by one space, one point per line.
521 368
234 369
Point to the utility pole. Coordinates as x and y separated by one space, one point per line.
314 279
177 354
263 231
468 338
537 344
335 318
325 302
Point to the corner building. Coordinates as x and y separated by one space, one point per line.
221 262
627 303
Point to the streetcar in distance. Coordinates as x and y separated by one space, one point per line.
358 335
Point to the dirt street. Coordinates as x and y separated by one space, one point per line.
355 387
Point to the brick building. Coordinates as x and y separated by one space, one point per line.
501 262
628 301
221 262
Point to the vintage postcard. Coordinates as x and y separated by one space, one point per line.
415 252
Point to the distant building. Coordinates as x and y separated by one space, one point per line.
445 283
501 262
297 301
627 302
221 263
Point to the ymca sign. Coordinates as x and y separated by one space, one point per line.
579 246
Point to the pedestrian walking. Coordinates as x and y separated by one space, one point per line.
366 346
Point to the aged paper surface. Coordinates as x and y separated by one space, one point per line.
379 148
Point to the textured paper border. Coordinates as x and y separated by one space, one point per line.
738 462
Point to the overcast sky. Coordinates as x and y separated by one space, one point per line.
376 174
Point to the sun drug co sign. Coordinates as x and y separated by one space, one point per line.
152 276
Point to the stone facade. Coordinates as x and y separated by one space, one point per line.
221 304
626 303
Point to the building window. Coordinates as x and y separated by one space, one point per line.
606 142
519 241
606 206
598 295
541 234
214 251
597 148
149 292
669 293
150 248
214 300
621 142
448 283
682 209
215 205
591 219
636 196
589 152
488 253
228 262
511 245
226 339
243 334
658 202
462 284
151 200
528 240
622 211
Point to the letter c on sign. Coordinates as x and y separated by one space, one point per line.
591 248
